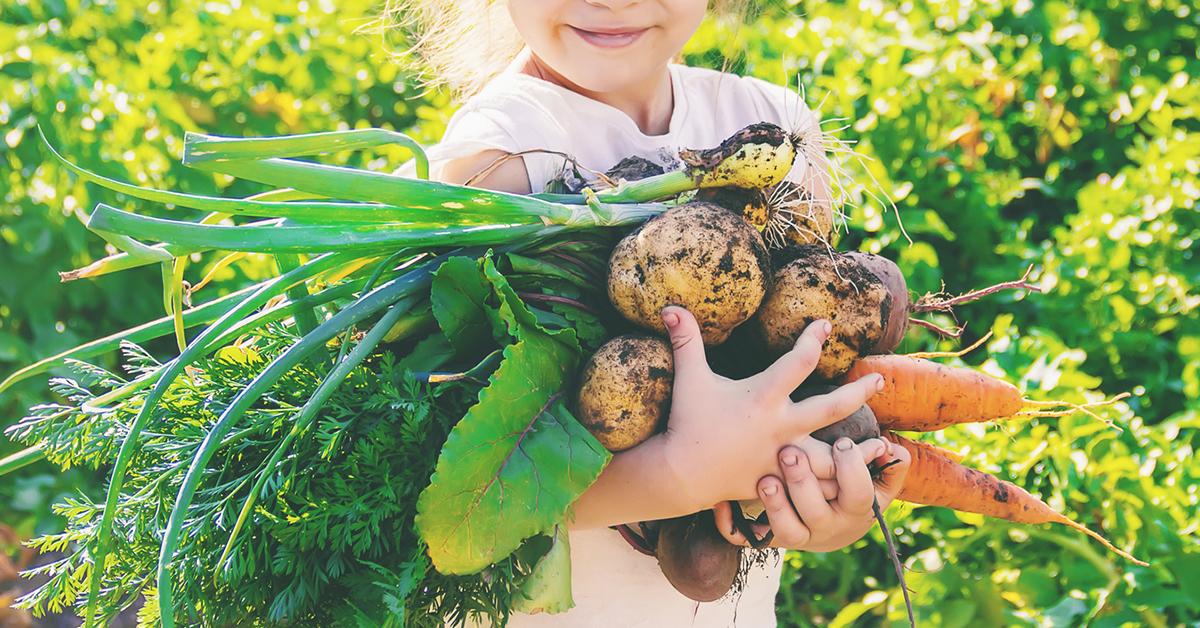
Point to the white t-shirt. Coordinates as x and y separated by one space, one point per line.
612 584
518 112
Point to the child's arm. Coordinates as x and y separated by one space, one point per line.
509 176
722 435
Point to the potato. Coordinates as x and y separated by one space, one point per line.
749 203
815 283
889 273
699 256
625 391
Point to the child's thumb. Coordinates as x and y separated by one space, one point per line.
686 342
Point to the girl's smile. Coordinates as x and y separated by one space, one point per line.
612 51
609 38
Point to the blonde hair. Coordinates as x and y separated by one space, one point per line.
463 44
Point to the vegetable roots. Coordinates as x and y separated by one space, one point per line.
934 479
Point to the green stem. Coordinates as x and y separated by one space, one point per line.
379 269
175 310
199 148
170 371
136 250
377 187
308 413
306 319
430 201
382 297
653 188
303 238
22 458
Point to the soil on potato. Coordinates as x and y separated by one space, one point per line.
812 283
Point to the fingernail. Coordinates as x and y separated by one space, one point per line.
670 318
827 327
770 489
878 383
790 459
844 444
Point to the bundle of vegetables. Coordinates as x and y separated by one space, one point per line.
386 431
714 262
380 431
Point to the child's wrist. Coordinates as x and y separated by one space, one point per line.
678 482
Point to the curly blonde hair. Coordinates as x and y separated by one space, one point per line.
463 44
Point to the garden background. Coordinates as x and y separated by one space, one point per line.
1063 134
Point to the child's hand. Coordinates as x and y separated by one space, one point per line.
723 435
799 514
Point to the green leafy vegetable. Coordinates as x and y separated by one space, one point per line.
458 296
518 446
548 587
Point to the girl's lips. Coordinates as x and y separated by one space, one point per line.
617 39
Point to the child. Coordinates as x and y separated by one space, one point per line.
594 80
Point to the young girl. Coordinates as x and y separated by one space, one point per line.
594 80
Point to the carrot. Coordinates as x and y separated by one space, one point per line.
934 479
924 396
920 395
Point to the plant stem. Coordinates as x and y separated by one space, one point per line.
382 297
264 292
22 458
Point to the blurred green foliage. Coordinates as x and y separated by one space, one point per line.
1060 134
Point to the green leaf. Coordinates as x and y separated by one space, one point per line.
587 326
430 353
513 312
459 297
518 444
512 465
547 589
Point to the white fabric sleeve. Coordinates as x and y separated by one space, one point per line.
471 131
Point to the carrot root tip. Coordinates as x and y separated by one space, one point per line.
929 355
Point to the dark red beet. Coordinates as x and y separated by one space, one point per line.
695 558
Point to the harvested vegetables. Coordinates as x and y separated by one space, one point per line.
625 390
342 439
249 477
935 479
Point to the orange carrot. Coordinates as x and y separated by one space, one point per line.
936 480
924 396
920 395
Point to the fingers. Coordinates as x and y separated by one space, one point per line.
873 449
793 367
892 479
856 491
686 342
789 530
723 517
820 460
820 411
820 457
805 490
